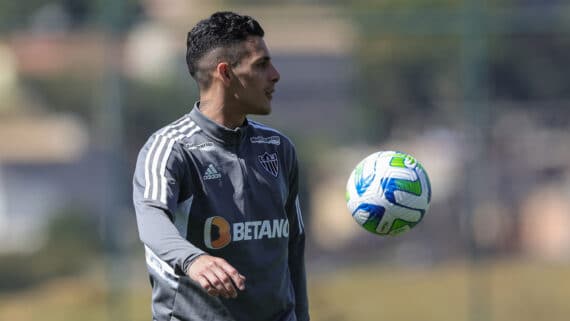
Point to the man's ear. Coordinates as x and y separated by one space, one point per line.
224 72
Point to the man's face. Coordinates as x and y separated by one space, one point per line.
255 78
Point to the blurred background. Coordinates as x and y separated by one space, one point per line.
478 91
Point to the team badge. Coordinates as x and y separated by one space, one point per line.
270 163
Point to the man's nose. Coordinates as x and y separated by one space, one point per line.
275 76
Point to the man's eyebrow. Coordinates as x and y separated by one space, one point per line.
262 59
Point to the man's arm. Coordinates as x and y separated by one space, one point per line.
297 247
157 183
156 189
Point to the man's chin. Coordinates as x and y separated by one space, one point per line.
265 110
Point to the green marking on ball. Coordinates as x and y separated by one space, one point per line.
412 187
371 224
399 225
427 180
397 161
358 171
400 160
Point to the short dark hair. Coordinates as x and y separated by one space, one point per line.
220 30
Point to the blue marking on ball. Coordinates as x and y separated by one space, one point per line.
364 182
389 187
376 212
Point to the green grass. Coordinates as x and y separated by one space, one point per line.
499 291
508 291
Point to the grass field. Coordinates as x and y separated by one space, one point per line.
499 291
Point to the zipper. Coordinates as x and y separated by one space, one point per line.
244 172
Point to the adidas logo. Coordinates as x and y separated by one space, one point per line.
211 173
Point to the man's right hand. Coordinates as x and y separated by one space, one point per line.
216 276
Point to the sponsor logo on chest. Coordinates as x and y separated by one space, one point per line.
274 140
204 147
218 232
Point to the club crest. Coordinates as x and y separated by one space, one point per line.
270 163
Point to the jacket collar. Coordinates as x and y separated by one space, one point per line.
216 131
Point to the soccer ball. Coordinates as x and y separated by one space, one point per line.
388 193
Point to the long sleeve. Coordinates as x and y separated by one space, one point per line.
297 247
157 193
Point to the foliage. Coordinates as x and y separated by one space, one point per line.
149 106
529 67
15 15
65 92
72 244
416 59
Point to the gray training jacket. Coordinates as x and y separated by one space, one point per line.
203 188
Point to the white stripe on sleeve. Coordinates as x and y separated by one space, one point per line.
158 155
152 150
163 181
155 166
299 215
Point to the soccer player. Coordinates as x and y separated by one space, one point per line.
216 194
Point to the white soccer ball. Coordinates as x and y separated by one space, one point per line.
388 193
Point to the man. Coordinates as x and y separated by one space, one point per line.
216 194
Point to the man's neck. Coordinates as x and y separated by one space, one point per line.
221 113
